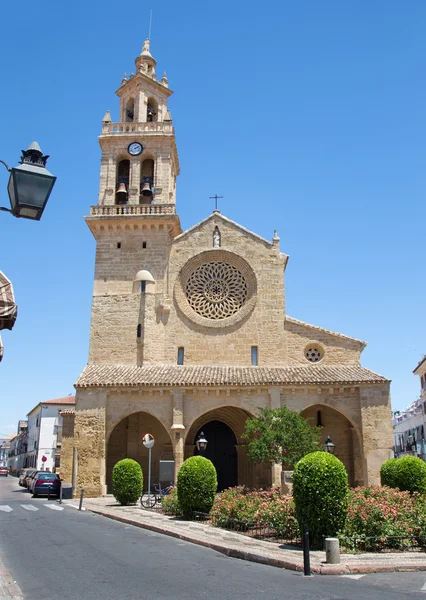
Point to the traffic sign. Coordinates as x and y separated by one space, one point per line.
44 458
148 440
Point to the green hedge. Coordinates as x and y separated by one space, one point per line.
127 481
320 491
196 485
410 474
388 473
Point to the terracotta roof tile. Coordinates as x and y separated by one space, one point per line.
67 411
173 375
65 400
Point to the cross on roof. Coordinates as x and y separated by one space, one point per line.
215 198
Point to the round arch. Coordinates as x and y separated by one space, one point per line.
344 434
125 441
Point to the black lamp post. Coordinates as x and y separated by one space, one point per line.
201 443
329 446
30 184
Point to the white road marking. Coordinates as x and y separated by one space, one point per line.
353 576
29 507
53 506
73 505
423 589
6 508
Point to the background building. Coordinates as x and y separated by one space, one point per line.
45 433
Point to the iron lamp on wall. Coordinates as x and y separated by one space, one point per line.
201 443
329 446
30 184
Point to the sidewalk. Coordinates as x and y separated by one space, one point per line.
240 546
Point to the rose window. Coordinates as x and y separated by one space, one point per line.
313 354
216 290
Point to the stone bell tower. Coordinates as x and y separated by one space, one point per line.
135 218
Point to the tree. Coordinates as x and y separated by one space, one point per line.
280 435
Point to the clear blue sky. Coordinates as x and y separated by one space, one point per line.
309 117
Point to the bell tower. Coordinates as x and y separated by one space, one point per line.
135 218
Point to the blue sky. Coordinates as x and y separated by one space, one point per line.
309 117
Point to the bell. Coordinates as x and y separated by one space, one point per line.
121 193
146 189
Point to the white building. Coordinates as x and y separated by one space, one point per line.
45 433
409 426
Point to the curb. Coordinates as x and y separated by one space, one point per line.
323 569
9 589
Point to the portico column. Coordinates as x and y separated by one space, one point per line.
275 402
177 429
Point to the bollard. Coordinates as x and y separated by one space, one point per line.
332 551
48 493
81 498
60 493
306 557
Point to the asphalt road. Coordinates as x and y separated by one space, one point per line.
66 554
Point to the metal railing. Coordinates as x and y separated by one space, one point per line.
385 543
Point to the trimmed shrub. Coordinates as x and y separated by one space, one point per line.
388 472
196 485
127 480
320 491
410 474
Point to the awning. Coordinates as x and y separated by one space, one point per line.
8 308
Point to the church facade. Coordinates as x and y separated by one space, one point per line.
189 330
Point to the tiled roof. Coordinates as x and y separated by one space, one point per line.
65 400
67 411
206 376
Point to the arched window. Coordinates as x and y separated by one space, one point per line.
147 181
151 110
122 186
130 111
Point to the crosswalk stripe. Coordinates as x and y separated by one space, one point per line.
29 507
353 576
423 589
54 506
6 508
73 505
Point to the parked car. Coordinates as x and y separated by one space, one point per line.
4 471
23 474
28 477
42 481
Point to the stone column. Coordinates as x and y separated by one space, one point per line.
377 433
134 180
177 429
90 430
275 402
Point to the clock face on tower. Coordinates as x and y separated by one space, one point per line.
135 148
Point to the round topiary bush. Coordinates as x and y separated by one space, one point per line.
196 485
410 474
127 480
320 491
388 472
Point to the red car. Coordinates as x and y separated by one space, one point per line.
4 471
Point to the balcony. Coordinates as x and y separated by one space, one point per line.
129 210
123 129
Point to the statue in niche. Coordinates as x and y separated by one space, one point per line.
216 238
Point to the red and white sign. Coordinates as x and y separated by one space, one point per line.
43 458
148 440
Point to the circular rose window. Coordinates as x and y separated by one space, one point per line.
216 288
314 353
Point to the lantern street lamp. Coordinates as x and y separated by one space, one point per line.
329 446
30 184
201 443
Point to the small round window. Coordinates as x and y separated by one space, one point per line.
314 353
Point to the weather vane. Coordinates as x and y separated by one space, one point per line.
215 198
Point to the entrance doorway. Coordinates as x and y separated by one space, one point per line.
221 451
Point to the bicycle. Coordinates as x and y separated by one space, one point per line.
149 500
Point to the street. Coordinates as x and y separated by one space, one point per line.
67 554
